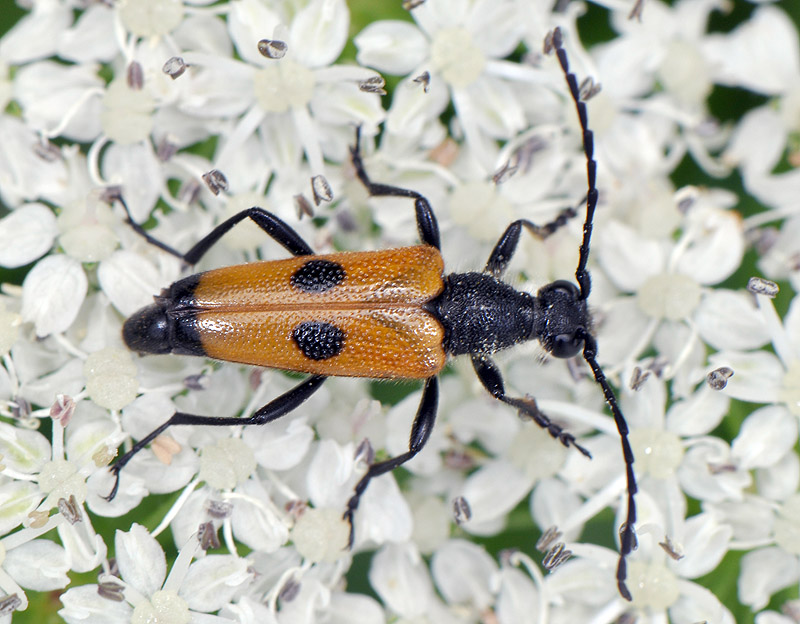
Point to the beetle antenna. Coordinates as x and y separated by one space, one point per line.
554 41
627 536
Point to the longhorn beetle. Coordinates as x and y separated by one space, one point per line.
382 314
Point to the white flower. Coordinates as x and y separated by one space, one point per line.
52 294
172 460
463 573
668 49
657 578
26 173
779 260
763 55
400 578
39 481
302 103
26 234
143 590
766 445
764 377
668 280
460 45
383 514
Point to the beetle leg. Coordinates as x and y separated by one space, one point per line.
492 380
277 229
427 225
420 432
273 410
507 245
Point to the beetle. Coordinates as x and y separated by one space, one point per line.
386 314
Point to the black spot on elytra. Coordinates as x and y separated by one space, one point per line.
318 341
317 276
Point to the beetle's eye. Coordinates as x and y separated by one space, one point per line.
561 287
566 346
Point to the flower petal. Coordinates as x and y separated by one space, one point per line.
757 142
249 21
391 46
518 598
129 280
347 608
400 577
716 252
258 526
212 581
488 503
85 605
699 414
756 377
781 480
628 258
41 565
319 32
496 26
23 450
463 573
281 445
496 107
36 34
760 55
764 572
52 294
698 604
706 541
383 514
141 560
729 319
91 37
26 234
412 108
142 172
17 500
766 435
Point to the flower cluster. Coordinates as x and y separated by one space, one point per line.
193 110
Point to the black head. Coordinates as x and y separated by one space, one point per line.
561 319
147 331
